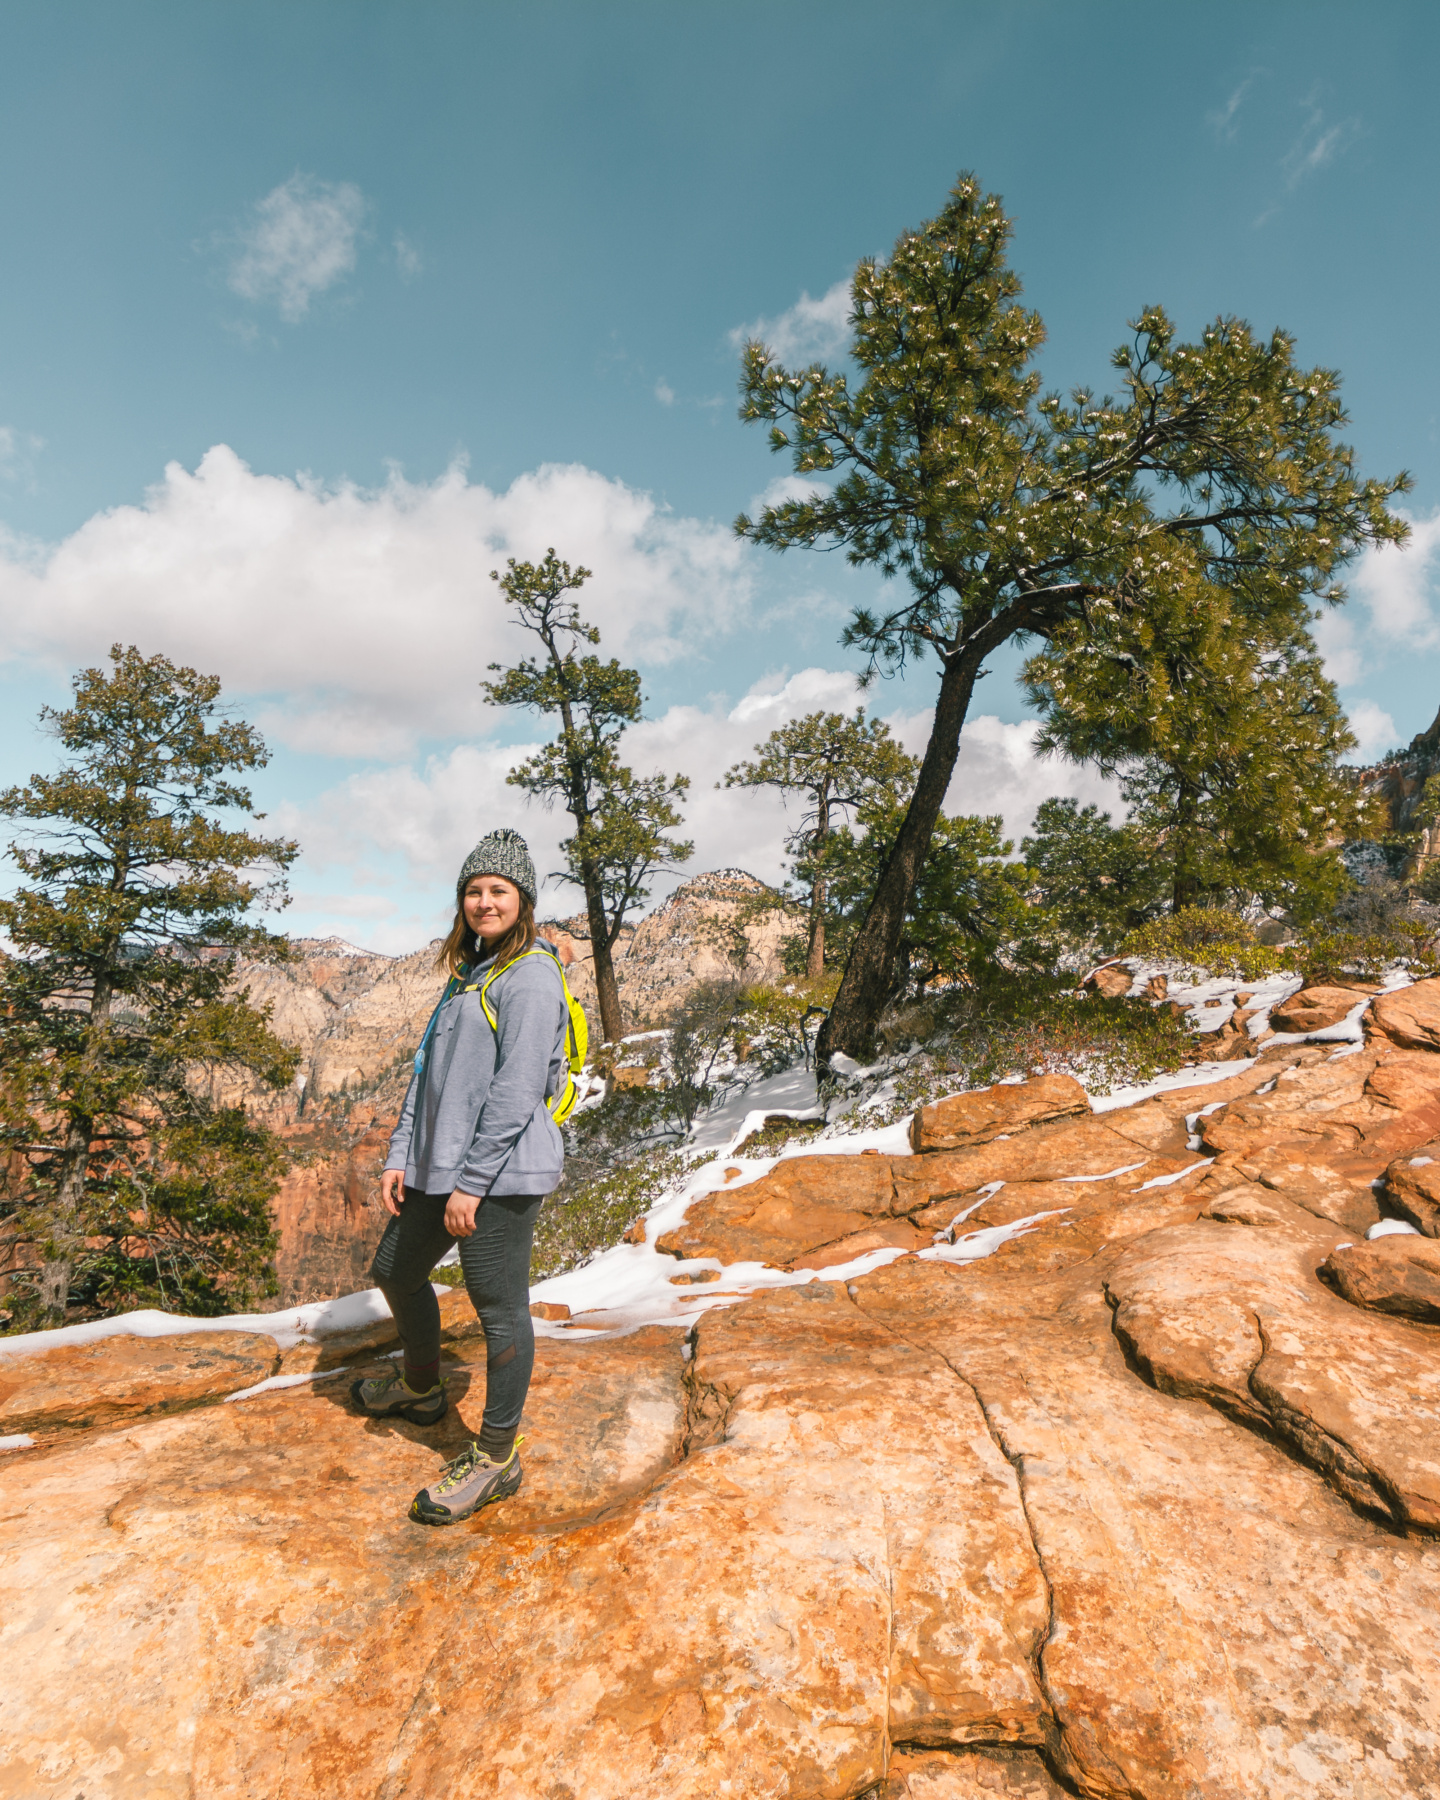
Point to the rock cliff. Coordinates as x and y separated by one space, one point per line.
1141 1505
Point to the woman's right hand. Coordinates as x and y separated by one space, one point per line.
392 1190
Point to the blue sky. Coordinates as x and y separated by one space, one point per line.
395 290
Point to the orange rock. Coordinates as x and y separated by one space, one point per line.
1157 987
1238 1317
623 1079
1409 1016
966 1119
1113 981
1414 1185
1313 1009
118 1378
1394 1274
895 1234
549 1309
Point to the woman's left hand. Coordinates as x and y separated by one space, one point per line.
460 1211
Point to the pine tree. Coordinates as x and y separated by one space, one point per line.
620 820
1006 512
117 1005
1225 734
836 764
1097 881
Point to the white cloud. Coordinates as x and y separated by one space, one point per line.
806 330
1317 144
300 240
428 817
368 614
407 258
1222 120
18 450
1375 730
1395 583
664 393
1334 633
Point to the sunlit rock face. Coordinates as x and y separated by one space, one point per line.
1144 1503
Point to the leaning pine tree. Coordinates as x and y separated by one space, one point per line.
1007 512
127 1183
620 819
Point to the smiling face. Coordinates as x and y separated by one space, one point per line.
492 905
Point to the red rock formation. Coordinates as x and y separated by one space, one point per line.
1135 1506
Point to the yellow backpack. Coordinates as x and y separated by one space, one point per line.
577 1032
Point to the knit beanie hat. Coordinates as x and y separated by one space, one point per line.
505 853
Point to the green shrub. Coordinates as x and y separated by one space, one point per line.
1207 941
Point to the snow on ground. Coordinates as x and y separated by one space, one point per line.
632 1285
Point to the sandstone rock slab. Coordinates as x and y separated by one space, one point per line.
1204 1587
1413 1183
971 1775
966 1119
1410 1016
1241 1320
1395 1274
81 1385
1313 1009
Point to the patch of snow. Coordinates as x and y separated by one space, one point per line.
1160 1181
20 1441
1200 1075
297 1325
1421 1162
1394 1228
976 1244
1129 1169
741 1109
283 1381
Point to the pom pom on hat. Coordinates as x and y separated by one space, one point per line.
505 853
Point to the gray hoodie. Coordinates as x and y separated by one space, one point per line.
475 1115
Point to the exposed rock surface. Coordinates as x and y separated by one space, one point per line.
1413 1183
976 1118
1398 1274
119 1378
1313 1009
1137 1506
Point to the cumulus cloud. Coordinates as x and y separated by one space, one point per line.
1395 582
806 330
298 241
1375 730
368 614
428 816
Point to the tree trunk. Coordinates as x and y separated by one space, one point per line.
64 1237
815 955
865 987
607 992
1186 889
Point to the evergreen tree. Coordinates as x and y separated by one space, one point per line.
1226 737
836 764
128 1182
967 908
1006 512
1098 881
620 820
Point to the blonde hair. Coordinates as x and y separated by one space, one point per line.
462 948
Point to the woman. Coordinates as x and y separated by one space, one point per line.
474 1154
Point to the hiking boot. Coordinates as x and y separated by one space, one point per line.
471 1481
388 1397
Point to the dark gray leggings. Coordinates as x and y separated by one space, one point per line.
496 1263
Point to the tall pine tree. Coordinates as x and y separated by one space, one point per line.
129 1183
